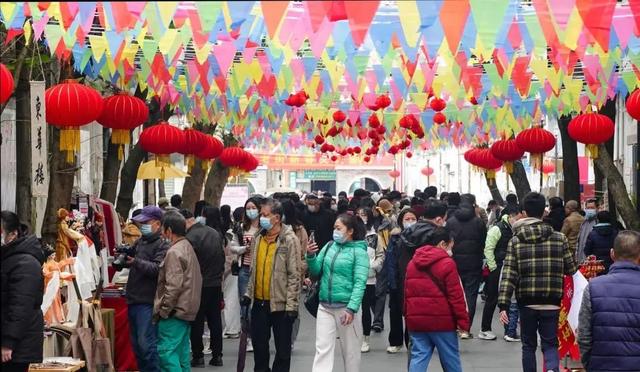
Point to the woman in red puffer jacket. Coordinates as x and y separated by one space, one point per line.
434 305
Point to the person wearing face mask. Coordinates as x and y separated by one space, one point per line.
207 244
342 267
141 287
318 220
434 304
274 288
406 219
495 250
590 210
21 258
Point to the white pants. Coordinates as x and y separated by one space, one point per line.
328 327
231 310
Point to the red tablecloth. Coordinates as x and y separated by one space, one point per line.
125 358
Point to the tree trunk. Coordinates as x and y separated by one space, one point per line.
23 148
618 189
570 169
609 109
111 165
60 187
520 180
216 181
128 177
193 186
493 187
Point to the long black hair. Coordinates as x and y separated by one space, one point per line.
214 219
225 212
11 223
354 223
246 223
291 214
402 214
370 219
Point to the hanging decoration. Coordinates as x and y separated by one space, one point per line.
633 104
427 171
591 129
508 151
339 116
162 139
71 105
536 141
394 174
194 141
6 84
548 167
122 113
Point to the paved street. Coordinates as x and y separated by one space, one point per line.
477 355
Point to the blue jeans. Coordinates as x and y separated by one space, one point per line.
511 329
144 337
544 322
422 350
243 280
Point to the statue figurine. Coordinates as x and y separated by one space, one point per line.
67 239
52 303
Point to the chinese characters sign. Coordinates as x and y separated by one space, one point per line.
39 165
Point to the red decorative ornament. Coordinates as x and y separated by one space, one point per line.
633 104
439 118
591 129
394 173
393 150
251 162
548 167
374 122
211 149
319 139
438 104
162 139
381 130
334 158
122 112
339 116
232 157
409 154
383 101
484 159
367 159
6 84
508 151
473 101
427 171
357 150
536 141
70 105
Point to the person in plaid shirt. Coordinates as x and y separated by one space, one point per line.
537 260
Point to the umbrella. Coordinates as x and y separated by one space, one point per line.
159 170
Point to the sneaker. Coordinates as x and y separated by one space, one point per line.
216 361
197 362
487 335
365 345
465 335
394 349
231 335
249 346
207 351
377 328
511 339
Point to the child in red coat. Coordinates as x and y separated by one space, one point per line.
434 305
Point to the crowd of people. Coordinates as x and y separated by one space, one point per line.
428 257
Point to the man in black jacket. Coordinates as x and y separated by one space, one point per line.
469 233
207 244
22 289
318 221
141 287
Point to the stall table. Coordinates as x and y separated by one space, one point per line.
125 359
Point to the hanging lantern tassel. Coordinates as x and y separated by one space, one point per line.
491 175
120 137
70 142
508 167
189 161
205 165
536 162
162 160
593 150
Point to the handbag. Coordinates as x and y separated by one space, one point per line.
312 299
235 268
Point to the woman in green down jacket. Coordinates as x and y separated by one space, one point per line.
343 268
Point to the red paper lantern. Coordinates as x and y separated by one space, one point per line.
439 118
409 154
536 141
212 149
591 129
394 149
548 167
381 130
633 104
122 112
486 160
334 158
162 139
232 157
374 122
6 84
70 105
383 101
339 116
438 104
427 171
470 156
367 159
508 151
357 150
250 164
473 100
319 139
394 173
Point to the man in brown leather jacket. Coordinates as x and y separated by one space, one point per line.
177 297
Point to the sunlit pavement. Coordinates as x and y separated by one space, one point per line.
477 355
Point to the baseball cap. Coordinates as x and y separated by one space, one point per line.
150 212
163 201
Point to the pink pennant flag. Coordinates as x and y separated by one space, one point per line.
224 54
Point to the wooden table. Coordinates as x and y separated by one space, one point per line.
72 368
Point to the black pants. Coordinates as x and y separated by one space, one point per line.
382 287
210 301
471 286
368 303
14 367
491 291
262 322
396 326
